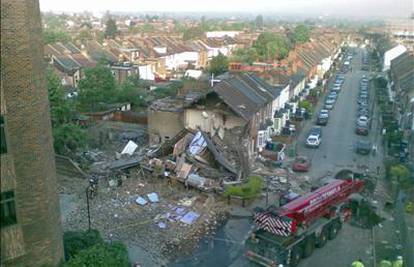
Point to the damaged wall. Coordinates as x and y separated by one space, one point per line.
209 121
163 125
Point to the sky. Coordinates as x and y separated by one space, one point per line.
361 8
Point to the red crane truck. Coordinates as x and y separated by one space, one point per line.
284 235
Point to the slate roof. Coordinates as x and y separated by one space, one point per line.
66 64
72 48
97 52
297 77
402 68
245 94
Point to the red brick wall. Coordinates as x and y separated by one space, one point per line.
29 133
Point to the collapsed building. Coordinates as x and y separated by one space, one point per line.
236 118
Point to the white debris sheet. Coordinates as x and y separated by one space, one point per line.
153 197
190 217
141 201
198 144
129 148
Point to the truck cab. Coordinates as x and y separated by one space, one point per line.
284 235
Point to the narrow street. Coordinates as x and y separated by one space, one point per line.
338 137
336 152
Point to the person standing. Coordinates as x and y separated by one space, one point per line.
398 262
385 263
357 263
374 150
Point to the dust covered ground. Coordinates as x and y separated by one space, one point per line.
153 230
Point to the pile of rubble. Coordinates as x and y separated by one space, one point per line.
163 220
146 195
193 159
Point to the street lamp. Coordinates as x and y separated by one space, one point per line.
87 205
267 191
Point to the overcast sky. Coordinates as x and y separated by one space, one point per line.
384 8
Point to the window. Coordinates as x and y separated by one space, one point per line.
3 147
260 139
8 209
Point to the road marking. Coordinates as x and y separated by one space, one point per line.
247 236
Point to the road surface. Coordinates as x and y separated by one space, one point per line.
336 152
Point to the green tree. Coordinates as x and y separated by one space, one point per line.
147 28
259 22
300 34
76 241
133 93
101 255
380 82
261 44
84 35
277 49
251 189
219 64
60 107
399 173
51 36
270 46
204 26
248 55
168 91
110 28
306 105
68 138
97 87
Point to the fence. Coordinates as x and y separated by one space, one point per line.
66 166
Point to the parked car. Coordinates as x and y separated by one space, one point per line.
362 121
339 79
363 147
329 106
314 137
336 89
330 100
362 113
361 130
322 120
313 141
324 112
333 94
300 114
316 130
301 164
363 102
291 126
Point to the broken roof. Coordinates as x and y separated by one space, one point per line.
245 94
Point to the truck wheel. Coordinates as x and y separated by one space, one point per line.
295 257
309 247
323 238
333 230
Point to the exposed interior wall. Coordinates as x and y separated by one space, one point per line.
163 125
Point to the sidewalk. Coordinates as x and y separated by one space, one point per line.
237 211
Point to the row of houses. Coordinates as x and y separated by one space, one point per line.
402 85
249 104
152 57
